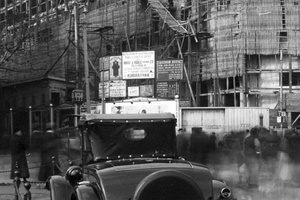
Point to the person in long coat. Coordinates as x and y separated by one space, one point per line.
251 151
198 145
182 143
18 149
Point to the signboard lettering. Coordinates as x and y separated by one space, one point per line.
167 89
138 65
168 70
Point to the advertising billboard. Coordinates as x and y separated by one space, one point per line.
138 65
115 68
168 70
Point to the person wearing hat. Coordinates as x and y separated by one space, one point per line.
251 151
198 145
182 143
18 149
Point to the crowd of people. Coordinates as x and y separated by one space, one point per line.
195 146
252 150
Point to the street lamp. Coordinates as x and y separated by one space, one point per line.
75 6
281 92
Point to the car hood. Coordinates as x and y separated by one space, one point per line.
119 178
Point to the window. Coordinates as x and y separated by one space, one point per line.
295 78
7 104
23 101
55 98
43 98
33 102
2 4
33 7
44 35
231 82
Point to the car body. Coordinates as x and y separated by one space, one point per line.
134 156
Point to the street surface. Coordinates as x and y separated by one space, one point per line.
220 164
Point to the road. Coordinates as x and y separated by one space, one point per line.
224 167
221 166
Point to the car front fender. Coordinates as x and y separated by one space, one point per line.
60 188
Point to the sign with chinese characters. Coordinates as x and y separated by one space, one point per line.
168 70
167 89
115 67
77 96
117 88
138 65
104 87
104 75
104 63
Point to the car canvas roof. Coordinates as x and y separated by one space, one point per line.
126 117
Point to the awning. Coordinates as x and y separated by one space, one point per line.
167 17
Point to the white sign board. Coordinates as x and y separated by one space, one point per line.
95 109
138 65
133 91
117 88
104 63
115 67
104 75
106 90
141 107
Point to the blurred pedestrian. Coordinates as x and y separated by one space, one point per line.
198 145
237 152
294 137
284 158
18 149
182 141
229 140
49 154
212 141
269 149
251 151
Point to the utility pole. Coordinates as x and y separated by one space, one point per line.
86 71
281 92
76 31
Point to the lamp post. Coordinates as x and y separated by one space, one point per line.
76 40
281 92
75 8
11 122
86 71
103 87
30 126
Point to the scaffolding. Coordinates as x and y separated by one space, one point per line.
248 27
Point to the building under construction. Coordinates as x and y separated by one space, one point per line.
240 53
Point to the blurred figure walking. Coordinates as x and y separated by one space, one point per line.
251 151
284 158
18 149
182 141
198 146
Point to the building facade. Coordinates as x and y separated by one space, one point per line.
239 53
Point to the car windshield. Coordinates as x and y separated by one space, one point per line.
109 140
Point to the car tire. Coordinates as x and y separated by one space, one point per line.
168 185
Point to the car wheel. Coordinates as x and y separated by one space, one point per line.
168 185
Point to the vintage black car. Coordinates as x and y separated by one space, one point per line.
134 156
